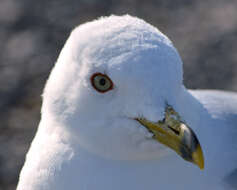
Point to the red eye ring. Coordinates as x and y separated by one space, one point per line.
101 82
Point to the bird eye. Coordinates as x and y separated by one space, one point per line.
101 82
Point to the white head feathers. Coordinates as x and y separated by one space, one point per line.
146 71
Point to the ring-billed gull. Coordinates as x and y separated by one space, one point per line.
115 111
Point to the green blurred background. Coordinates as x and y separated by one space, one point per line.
32 34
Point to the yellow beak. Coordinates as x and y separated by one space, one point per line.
175 134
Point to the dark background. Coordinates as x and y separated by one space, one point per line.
32 34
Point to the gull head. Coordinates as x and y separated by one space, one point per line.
112 91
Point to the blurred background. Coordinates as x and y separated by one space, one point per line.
32 34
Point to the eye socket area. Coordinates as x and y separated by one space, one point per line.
101 82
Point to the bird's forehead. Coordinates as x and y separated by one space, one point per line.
141 61
114 39
125 45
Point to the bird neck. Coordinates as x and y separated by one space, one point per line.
94 172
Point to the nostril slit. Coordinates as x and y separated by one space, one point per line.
174 130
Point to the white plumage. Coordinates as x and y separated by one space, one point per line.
88 140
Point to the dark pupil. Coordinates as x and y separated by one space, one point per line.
102 82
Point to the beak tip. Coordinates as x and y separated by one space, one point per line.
200 165
198 157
